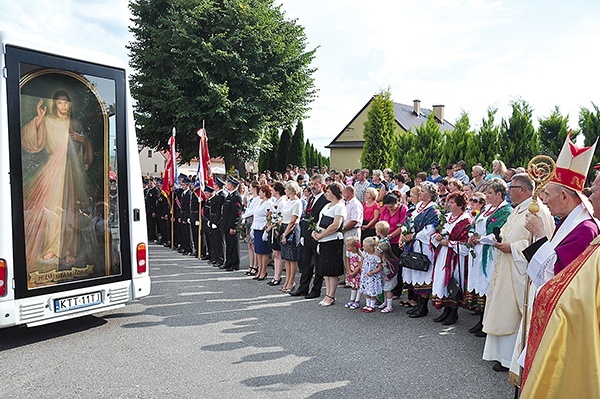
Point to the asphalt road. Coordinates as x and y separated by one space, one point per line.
207 333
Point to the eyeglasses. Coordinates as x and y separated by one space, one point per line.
475 200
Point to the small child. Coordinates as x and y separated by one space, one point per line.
370 278
390 274
353 267
382 230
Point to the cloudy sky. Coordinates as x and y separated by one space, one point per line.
466 54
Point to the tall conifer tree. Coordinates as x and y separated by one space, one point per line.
296 156
284 149
519 140
589 123
379 129
553 131
484 144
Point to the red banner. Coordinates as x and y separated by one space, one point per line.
170 171
204 173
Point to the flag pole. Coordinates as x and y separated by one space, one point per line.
200 210
173 195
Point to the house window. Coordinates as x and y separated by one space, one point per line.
149 153
155 168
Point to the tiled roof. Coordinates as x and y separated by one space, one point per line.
405 117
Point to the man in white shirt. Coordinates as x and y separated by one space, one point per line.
361 185
354 214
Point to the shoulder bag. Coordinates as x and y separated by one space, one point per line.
414 260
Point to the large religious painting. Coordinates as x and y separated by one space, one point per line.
69 174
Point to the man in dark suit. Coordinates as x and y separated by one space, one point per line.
215 218
194 219
151 197
163 212
207 236
232 210
185 218
310 257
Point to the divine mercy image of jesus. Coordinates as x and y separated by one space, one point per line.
62 182
50 196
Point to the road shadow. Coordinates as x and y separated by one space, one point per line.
14 337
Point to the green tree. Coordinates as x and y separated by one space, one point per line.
553 131
589 124
240 65
308 158
456 141
379 129
404 151
483 145
267 160
284 149
428 142
519 141
296 155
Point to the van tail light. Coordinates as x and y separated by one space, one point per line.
142 262
3 275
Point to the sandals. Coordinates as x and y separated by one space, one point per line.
323 303
349 304
252 271
387 310
367 309
355 305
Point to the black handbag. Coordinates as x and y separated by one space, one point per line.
414 261
453 288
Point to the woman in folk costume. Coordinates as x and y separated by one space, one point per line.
450 258
481 266
426 217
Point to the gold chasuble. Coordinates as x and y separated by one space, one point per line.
563 348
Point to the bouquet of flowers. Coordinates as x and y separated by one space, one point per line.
240 226
442 222
312 223
408 227
274 220
471 247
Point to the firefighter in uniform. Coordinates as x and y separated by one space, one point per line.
207 240
232 210
216 213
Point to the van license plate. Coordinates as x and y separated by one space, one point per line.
77 302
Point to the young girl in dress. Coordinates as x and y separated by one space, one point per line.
370 278
390 274
353 267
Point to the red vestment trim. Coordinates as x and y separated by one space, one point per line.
545 303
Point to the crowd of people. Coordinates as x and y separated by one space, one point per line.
448 241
